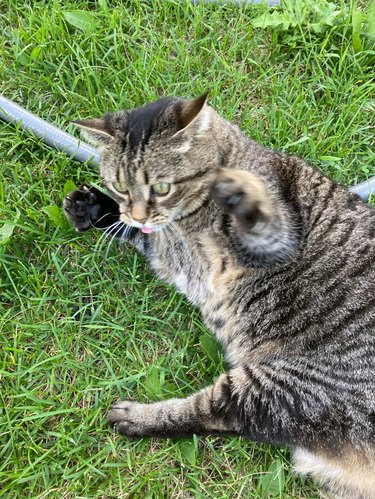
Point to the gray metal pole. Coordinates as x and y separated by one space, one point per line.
50 134
364 189
83 152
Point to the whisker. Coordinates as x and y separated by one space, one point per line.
107 231
102 239
113 238
124 235
101 218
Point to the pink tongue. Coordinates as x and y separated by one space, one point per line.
146 230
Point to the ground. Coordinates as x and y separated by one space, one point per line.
83 324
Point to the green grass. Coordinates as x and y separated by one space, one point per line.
80 328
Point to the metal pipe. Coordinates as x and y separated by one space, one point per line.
364 189
83 152
50 134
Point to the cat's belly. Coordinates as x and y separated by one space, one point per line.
210 286
210 278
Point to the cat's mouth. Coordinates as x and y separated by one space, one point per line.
146 227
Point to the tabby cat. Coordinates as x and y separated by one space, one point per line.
280 261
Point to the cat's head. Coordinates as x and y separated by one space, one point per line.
158 160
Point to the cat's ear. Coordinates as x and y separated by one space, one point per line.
97 131
193 115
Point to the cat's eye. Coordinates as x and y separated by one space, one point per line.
161 189
120 187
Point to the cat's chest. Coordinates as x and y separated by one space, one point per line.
193 264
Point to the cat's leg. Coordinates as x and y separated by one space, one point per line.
241 402
350 474
262 227
253 401
202 413
262 401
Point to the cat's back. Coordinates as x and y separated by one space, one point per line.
338 248
325 296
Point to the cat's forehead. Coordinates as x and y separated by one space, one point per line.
157 161
144 143
151 160
136 127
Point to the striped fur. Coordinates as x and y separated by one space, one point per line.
280 261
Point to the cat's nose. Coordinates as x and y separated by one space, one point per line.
140 220
139 213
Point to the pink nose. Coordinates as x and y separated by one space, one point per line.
139 213
140 220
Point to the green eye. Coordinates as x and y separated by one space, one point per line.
120 187
161 189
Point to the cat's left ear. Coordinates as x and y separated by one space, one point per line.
97 131
193 116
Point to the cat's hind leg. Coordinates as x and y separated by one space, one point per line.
246 402
348 475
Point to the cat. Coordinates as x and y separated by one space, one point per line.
280 261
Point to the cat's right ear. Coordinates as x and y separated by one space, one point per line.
193 116
98 132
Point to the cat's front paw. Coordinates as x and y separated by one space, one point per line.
130 418
244 195
82 207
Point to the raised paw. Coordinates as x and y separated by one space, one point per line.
244 195
131 419
81 207
88 207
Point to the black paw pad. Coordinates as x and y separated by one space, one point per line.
81 207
